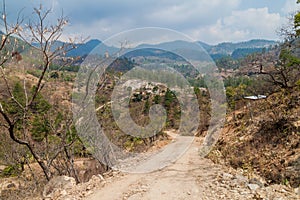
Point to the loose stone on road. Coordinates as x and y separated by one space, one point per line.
190 177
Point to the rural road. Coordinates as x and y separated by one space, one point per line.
190 177
167 155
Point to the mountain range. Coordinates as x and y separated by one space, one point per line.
96 47
235 50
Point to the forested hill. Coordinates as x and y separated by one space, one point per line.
227 48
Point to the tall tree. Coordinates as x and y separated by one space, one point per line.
30 120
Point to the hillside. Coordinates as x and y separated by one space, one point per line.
228 47
257 152
263 137
149 113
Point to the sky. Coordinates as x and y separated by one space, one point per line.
210 21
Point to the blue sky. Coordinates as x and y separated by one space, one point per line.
211 21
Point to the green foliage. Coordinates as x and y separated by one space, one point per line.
58 119
19 94
157 99
120 65
12 106
100 100
146 107
235 93
243 52
286 182
298 84
287 69
64 68
72 134
197 91
40 128
11 170
226 62
187 70
54 75
137 97
36 72
67 77
199 82
155 88
132 143
236 81
40 104
169 98
288 59
40 123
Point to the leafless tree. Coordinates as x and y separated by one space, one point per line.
40 36
288 31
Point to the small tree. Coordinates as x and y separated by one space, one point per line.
286 72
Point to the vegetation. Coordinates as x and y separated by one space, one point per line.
262 136
37 127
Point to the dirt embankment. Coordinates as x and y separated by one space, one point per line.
264 138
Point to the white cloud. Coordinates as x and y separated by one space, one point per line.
208 20
184 13
254 20
100 29
241 25
176 14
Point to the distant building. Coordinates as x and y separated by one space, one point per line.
256 97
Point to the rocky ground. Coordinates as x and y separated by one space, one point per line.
188 178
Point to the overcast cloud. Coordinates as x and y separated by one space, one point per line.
211 21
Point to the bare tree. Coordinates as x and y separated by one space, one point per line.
288 30
285 73
23 106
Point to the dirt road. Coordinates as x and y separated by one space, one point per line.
188 178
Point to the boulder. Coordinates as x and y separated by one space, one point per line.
9 184
253 187
57 187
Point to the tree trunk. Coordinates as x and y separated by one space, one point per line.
41 163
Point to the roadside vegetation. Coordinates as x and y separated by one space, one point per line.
39 141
